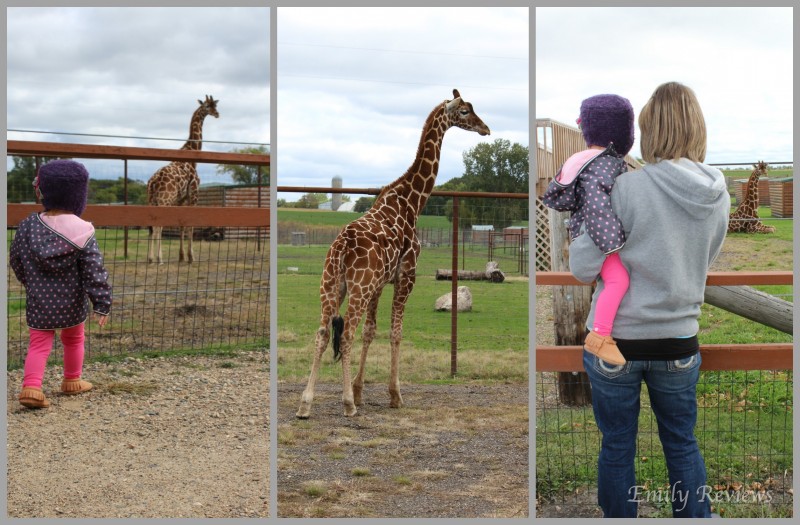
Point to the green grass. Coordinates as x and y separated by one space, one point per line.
744 174
493 337
326 218
730 404
231 350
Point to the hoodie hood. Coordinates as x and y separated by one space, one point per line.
695 187
52 250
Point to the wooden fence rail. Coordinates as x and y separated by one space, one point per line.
195 216
766 356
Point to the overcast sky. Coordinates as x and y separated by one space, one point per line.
737 60
355 86
138 72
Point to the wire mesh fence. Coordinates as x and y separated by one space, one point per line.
744 429
492 338
220 300
491 231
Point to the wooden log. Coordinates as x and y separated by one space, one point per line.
492 273
754 305
446 274
571 305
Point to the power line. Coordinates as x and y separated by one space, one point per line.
353 79
131 137
406 51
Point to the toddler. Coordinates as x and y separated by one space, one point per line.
583 186
55 256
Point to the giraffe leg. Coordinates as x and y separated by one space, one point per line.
404 284
154 245
368 334
191 237
150 244
398 307
180 249
321 343
355 310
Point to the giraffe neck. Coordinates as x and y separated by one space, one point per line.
417 182
195 141
752 190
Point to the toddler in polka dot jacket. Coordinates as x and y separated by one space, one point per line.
583 186
55 255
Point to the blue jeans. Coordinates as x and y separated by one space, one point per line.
615 400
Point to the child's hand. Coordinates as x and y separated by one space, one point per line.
101 319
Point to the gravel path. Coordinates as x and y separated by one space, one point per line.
457 451
156 438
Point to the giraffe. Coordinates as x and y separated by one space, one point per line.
378 248
745 218
176 184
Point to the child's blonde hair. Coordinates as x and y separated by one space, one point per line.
672 125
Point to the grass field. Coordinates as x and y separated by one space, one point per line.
492 338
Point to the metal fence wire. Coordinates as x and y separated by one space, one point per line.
744 429
220 300
496 231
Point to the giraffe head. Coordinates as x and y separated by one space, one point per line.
461 114
208 107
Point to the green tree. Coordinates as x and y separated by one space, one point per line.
311 200
19 183
498 167
363 204
241 174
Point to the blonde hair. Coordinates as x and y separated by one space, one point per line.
672 125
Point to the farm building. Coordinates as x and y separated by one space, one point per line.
227 196
739 186
780 197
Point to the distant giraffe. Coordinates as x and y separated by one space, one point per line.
745 218
378 248
177 183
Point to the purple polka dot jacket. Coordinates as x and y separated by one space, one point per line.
60 277
583 186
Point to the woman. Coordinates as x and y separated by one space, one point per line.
674 212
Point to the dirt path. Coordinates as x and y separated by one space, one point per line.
162 438
451 451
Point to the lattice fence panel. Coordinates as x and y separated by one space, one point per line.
542 250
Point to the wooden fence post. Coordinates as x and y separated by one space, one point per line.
571 306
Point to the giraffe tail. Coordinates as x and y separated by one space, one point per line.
338 327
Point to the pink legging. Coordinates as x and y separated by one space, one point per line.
616 281
41 342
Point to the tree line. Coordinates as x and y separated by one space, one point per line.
19 183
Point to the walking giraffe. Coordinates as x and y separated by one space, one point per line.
378 248
177 183
745 218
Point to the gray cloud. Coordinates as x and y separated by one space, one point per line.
138 71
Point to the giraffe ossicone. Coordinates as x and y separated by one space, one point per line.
177 183
379 248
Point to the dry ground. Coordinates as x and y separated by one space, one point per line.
166 437
451 451
220 299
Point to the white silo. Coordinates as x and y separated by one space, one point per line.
336 200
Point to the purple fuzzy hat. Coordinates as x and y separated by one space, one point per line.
605 119
63 185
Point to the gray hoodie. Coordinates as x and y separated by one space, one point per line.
675 216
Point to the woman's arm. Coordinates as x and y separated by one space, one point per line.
585 258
